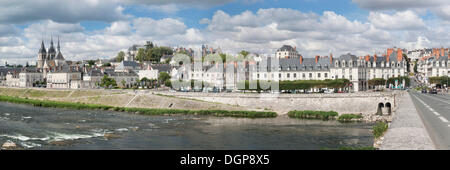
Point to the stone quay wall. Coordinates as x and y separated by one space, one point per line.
366 103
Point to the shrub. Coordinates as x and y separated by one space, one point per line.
349 117
379 128
309 114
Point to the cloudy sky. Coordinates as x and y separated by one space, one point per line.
91 29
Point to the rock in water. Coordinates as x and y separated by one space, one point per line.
9 145
111 136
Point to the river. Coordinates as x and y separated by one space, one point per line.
52 128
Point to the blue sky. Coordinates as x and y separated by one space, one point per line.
91 29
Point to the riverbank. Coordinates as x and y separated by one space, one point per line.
118 98
142 111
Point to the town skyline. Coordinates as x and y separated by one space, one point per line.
359 27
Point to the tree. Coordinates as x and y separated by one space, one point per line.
108 82
399 80
224 57
123 82
120 56
408 61
377 82
163 76
141 55
415 67
244 53
91 62
106 65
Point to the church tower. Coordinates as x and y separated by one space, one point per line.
51 54
59 60
41 56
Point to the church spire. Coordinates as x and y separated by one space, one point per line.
58 47
51 41
42 50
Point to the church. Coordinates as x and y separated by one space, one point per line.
50 58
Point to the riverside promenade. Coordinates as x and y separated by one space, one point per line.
407 131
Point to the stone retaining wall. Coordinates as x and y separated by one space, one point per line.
365 103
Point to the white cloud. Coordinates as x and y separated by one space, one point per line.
163 27
405 20
119 28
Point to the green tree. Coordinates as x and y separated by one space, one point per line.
91 62
141 55
244 53
224 57
415 67
123 82
108 82
120 56
107 65
163 76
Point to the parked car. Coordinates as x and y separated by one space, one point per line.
424 90
433 91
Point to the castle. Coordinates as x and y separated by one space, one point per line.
50 58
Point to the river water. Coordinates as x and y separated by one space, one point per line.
50 128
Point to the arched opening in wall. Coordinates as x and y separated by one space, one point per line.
388 107
380 109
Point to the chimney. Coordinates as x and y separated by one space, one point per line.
442 51
399 55
390 51
387 58
295 48
375 57
367 58
301 59
317 59
331 58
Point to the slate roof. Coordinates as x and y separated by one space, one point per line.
286 48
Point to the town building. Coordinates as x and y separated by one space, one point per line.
64 77
209 50
287 51
30 77
434 65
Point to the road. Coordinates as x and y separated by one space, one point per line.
434 110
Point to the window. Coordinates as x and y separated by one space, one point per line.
295 75
310 75
287 75
279 75
304 75
318 75
257 76
326 75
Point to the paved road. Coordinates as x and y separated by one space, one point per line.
434 109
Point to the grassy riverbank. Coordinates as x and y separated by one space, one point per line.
379 128
350 117
309 114
142 111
